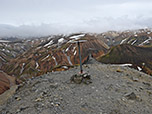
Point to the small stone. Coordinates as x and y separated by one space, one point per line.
18 98
141 88
18 110
52 103
131 96
85 66
149 93
127 74
54 85
93 87
86 75
57 104
38 99
61 98
134 79
36 90
119 70
123 99
107 76
44 93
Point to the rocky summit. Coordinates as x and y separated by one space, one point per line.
114 89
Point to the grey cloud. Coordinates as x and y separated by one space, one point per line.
66 16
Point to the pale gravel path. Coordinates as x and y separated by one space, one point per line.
53 93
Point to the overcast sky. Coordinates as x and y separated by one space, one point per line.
43 17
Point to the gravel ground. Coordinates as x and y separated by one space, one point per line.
114 90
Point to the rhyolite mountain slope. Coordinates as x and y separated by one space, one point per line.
54 54
139 57
111 92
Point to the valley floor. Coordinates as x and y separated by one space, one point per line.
114 90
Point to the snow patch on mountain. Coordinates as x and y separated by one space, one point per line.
50 43
55 60
140 69
61 40
4 41
73 49
123 65
76 37
123 41
68 48
22 69
45 57
2 59
37 65
133 42
75 52
146 41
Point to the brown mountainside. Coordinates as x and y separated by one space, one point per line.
55 54
6 82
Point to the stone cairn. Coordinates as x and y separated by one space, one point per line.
81 78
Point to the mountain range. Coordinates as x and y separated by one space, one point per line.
27 58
